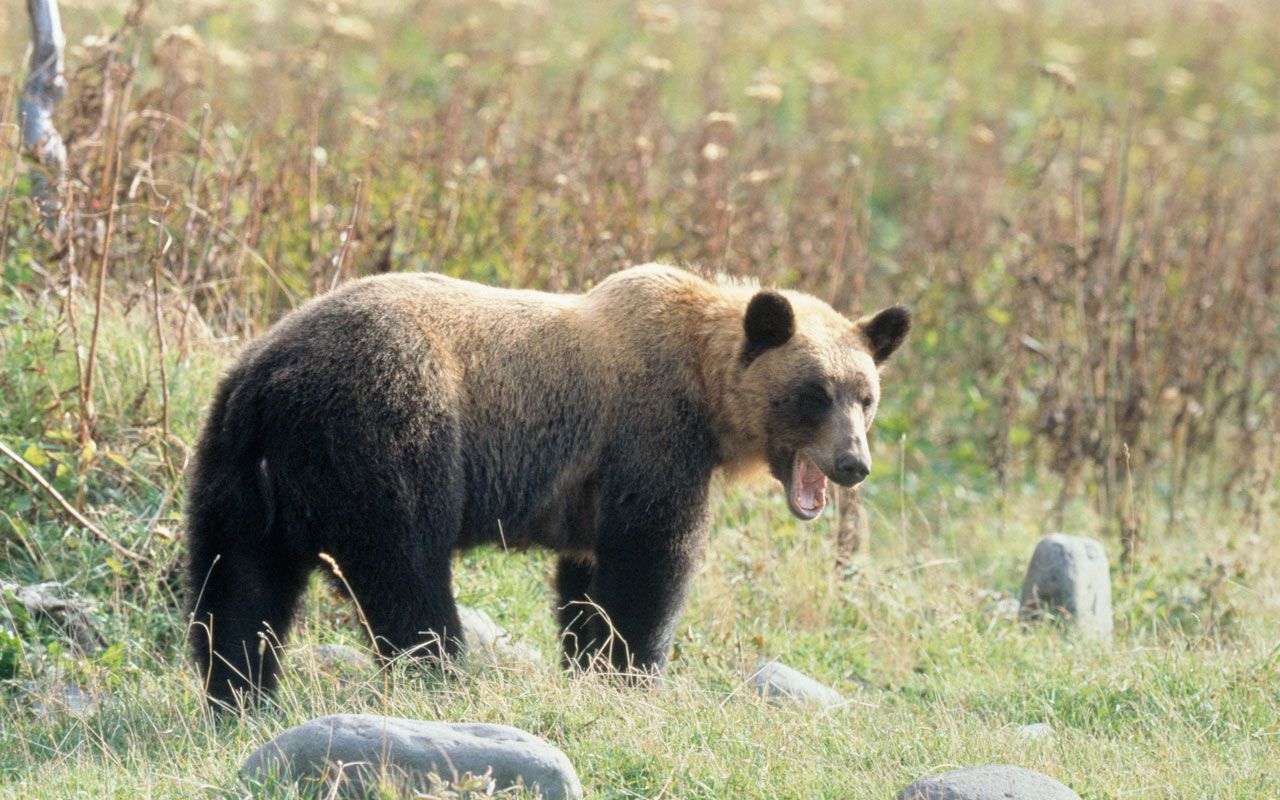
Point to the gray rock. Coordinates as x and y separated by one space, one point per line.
51 600
1008 608
62 700
988 783
776 680
350 755
1036 731
1069 578
334 658
487 638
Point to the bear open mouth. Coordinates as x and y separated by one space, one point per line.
807 489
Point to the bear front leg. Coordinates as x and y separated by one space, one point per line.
650 527
575 612
631 608
408 605
642 591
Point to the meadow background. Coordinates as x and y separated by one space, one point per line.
1077 198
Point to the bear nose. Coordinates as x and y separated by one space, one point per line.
850 469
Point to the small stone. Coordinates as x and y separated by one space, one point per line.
334 658
1036 731
350 755
52 600
1069 578
486 637
62 700
997 782
775 680
1008 608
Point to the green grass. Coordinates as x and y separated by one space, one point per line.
1185 703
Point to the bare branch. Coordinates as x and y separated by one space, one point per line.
66 510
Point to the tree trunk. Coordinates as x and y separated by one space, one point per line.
42 91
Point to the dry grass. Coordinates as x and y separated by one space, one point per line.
1078 201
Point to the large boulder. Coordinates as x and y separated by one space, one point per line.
997 782
1069 578
778 681
351 755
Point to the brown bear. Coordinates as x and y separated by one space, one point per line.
404 417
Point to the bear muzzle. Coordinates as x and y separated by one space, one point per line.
850 469
806 484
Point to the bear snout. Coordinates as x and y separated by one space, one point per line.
850 469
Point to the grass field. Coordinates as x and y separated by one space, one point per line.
1077 199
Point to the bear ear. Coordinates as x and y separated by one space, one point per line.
769 322
885 331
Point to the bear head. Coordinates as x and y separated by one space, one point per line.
812 379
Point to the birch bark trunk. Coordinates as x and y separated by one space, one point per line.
44 88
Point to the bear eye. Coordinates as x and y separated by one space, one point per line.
813 398
866 403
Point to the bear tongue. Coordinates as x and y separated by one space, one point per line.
808 484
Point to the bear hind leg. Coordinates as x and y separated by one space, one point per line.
241 617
